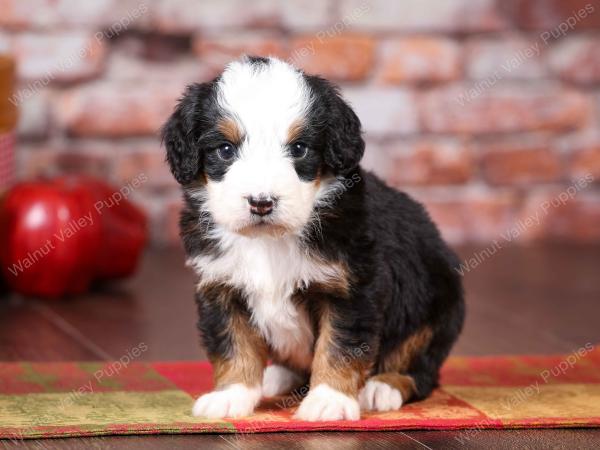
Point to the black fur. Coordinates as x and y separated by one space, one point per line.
403 276
187 131
340 137
308 168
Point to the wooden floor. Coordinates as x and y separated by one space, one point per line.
537 300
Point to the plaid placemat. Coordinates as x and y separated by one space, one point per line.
91 398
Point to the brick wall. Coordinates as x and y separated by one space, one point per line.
486 110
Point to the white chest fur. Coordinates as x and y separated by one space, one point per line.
269 270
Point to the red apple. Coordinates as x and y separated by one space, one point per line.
58 236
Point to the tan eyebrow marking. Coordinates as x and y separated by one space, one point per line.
294 131
229 128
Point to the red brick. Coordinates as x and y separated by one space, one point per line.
577 59
585 160
123 15
181 16
469 216
184 16
18 14
430 162
571 215
119 161
343 58
376 159
117 109
218 50
509 57
146 158
63 57
423 15
518 162
548 14
384 111
122 65
58 14
42 160
297 15
419 59
481 108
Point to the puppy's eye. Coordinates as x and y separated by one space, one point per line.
298 150
226 151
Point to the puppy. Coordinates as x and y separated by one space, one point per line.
302 257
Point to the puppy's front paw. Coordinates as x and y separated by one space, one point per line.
279 380
236 400
379 396
326 403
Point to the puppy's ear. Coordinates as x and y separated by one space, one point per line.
181 132
344 145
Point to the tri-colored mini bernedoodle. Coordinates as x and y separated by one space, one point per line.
303 258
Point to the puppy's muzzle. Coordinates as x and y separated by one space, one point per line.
261 205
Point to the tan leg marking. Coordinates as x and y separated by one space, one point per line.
400 359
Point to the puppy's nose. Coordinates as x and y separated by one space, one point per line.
261 205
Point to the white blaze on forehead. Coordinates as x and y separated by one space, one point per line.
266 99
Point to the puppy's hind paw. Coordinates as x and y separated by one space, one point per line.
278 380
236 400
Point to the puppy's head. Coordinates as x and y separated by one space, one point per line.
262 145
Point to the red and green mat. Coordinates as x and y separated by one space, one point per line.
88 399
